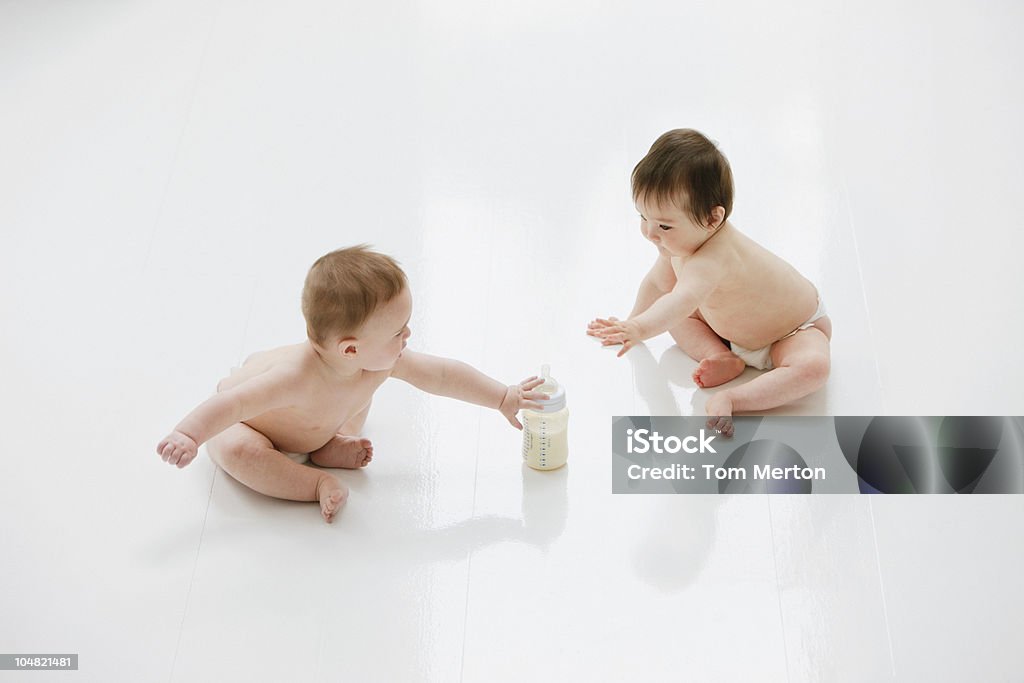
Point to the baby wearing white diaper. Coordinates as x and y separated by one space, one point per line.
712 283
761 359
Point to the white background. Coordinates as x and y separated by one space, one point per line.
169 170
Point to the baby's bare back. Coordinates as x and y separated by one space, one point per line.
321 408
760 298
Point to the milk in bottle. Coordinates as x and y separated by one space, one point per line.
545 431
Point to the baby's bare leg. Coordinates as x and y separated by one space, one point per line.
251 458
718 364
801 367
347 449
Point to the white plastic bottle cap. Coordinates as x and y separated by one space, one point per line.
552 388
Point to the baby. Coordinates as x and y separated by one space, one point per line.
727 301
310 400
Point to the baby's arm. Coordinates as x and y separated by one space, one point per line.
273 389
695 281
659 281
455 379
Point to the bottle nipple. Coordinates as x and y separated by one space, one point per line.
550 384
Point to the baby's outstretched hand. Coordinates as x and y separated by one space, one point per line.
177 449
613 331
597 326
519 396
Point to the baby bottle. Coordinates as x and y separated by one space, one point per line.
545 431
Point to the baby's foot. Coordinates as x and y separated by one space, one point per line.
718 370
719 410
350 452
332 495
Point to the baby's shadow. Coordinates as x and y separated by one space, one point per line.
655 379
651 382
674 547
544 512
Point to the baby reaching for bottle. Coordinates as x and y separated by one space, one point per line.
311 399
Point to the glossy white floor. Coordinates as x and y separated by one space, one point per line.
170 169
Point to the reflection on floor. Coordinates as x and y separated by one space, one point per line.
172 169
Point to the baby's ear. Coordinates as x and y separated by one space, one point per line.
717 217
347 347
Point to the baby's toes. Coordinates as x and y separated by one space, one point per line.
331 504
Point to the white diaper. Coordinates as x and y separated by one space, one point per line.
301 458
761 359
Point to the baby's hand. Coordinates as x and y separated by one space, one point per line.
521 395
596 326
613 331
177 449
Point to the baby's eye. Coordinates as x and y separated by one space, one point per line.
665 227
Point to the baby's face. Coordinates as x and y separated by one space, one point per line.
382 337
670 228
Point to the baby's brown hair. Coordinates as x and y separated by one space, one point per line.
344 288
687 169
